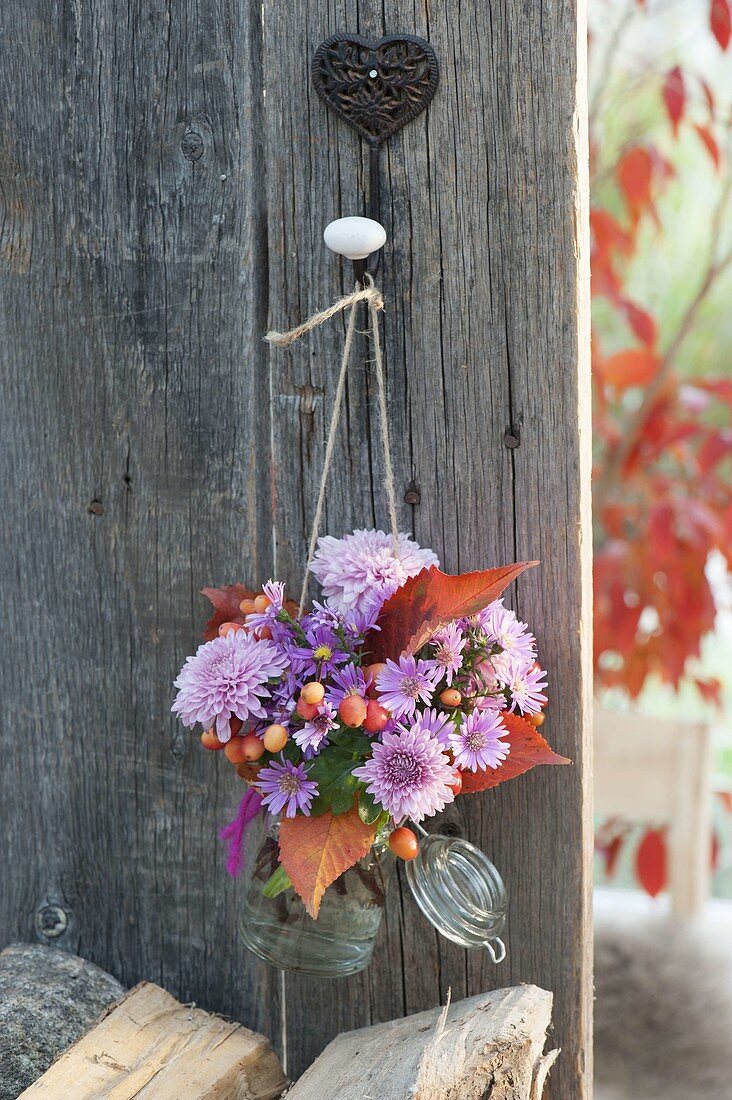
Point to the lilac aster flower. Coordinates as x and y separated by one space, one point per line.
314 734
449 644
477 745
438 725
401 686
286 785
348 680
503 628
275 593
321 655
360 571
408 774
525 687
227 676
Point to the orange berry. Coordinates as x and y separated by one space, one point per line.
451 697
247 607
244 750
313 693
228 628
264 632
457 785
235 725
261 603
376 717
536 719
305 710
373 671
209 740
247 771
352 710
404 843
275 737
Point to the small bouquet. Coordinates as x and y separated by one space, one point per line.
404 688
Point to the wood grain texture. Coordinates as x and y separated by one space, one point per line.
150 1046
154 446
133 303
485 277
487 1047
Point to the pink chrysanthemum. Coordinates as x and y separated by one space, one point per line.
286 785
438 724
408 774
360 571
227 676
314 734
401 686
477 745
449 644
525 686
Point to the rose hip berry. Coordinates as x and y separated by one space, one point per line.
451 697
404 843
353 710
376 717
313 693
275 737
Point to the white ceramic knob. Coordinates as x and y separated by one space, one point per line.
354 238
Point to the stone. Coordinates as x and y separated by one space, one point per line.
48 999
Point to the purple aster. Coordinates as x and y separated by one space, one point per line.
401 686
287 785
275 593
227 676
314 734
502 628
321 654
449 644
359 571
348 680
438 725
477 745
408 774
525 687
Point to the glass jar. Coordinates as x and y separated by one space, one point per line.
341 940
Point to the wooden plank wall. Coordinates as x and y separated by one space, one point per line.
159 212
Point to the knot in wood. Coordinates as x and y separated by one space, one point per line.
51 921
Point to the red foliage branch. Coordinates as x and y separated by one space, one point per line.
662 485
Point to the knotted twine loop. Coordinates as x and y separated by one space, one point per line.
370 294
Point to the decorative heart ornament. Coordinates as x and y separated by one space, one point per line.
376 86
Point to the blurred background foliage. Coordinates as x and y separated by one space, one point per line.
661 188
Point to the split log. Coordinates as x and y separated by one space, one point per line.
151 1045
48 999
487 1047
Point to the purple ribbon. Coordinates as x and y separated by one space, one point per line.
249 807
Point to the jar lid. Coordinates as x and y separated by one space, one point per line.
460 892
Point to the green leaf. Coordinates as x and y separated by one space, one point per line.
353 741
369 810
277 883
332 771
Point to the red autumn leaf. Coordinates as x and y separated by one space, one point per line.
725 797
708 141
226 601
708 96
650 862
634 173
720 20
674 96
612 854
642 323
632 367
528 749
710 690
714 854
314 851
426 602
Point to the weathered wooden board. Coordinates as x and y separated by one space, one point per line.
150 1045
157 214
489 1046
134 419
486 340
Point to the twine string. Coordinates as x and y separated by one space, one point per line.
370 294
